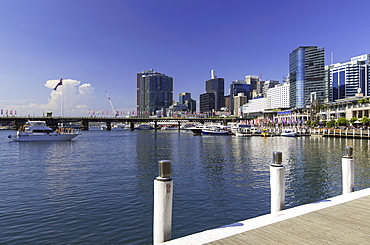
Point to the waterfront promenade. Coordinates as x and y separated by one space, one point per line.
342 219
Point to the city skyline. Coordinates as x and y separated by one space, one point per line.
97 46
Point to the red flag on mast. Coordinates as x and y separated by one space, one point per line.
59 84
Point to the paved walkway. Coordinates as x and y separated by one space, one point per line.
343 219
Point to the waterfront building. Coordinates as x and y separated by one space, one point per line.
347 108
279 96
236 87
256 106
307 76
185 99
213 99
154 92
348 78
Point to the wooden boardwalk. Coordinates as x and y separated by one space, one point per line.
343 219
347 223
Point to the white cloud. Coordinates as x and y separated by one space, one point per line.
72 97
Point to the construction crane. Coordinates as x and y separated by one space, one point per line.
111 104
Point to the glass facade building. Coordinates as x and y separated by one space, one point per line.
154 92
347 78
236 87
185 99
307 76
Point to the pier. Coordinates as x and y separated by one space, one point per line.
342 219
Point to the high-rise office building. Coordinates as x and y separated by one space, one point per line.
350 77
307 76
279 96
236 87
185 99
239 100
154 92
213 99
256 85
267 85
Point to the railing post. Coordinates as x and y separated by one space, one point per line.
163 194
277 183
348 171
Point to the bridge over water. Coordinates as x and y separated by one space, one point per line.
53 122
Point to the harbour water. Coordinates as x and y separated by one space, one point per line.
98 188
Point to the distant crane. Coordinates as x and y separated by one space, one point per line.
111 104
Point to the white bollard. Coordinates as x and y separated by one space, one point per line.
163 194
277 183
348 172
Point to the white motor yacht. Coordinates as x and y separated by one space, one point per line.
38 131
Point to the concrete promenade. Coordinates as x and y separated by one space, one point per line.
343 219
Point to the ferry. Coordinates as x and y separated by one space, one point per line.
38 131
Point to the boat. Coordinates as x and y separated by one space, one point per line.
144 127
216 131
289 133
169 126
120 126
38 131
196 129
243 133
265 133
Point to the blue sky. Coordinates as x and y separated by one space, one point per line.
100 45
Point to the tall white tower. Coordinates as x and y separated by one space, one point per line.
213 74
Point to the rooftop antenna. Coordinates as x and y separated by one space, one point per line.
332 57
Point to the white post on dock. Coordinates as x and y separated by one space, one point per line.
348 174
277 183
163 194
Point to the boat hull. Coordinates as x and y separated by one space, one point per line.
47 137
210 132
288 134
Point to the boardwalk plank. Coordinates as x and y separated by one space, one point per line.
347 223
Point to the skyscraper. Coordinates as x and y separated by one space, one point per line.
185 99
213 99
154 92
236 87
307 76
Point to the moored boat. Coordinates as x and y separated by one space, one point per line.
144 127
288 133
38 131
196 129
120 126
216 131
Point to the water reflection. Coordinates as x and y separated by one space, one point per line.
99 188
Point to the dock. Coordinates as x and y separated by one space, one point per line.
342 219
